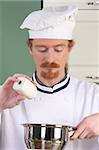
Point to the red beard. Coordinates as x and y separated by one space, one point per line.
49 74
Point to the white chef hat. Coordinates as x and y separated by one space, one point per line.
51 23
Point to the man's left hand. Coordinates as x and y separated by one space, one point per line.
88 128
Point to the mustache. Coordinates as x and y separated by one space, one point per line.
49 65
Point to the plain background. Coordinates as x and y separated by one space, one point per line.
14 55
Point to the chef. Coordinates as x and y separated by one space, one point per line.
61 98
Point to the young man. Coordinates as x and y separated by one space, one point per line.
61 99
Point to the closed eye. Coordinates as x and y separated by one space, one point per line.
59 48
41 48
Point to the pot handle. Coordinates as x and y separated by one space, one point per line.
71 131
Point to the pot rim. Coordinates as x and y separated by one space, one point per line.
45 125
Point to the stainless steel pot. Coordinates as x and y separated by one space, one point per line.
46 136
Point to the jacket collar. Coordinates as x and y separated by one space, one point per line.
49 90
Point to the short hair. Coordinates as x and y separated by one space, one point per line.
71 43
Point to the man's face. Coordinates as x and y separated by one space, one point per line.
50 57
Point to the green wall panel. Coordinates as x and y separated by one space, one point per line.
14 55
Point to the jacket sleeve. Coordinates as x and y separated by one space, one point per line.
0 110
98 98
0 121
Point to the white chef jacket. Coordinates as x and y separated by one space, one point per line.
67 103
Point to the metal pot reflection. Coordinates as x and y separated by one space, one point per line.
46 136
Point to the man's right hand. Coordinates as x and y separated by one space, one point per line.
9 98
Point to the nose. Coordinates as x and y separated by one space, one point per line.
50 55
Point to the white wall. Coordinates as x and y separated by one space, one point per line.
81 3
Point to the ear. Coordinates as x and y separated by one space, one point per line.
70 45
30 47
30 50
69 49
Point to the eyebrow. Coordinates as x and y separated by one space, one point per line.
61 44
40 46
